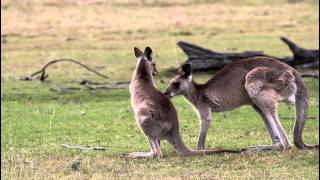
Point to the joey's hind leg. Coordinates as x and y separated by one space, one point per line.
154 152
205 120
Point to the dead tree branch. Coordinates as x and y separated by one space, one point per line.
301 56
44 75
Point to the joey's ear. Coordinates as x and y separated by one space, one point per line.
148 53
186 70
137 52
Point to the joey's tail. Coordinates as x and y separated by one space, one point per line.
301 114
175 139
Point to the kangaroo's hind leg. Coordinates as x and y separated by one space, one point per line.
266 87
267 124
154 152
266 102
153 131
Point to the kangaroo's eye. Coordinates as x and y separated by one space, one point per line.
176 85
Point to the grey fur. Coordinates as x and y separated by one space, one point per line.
260 82
154 112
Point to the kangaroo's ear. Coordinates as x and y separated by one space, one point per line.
148 53
137 52
186 70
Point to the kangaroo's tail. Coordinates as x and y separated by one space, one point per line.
301 113
174 138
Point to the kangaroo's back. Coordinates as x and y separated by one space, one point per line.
147 98
227 86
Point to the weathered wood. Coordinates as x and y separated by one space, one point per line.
310 75
302 56
202 59
84 148
44 75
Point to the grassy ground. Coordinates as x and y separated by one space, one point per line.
36 121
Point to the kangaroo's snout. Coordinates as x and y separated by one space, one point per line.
155 72
168 94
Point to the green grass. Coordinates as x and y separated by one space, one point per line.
35 121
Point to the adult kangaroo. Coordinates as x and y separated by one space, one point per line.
261 82
154 112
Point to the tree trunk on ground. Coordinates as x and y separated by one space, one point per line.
202 59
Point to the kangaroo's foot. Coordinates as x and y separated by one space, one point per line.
259 148
137 155
200 148
266 105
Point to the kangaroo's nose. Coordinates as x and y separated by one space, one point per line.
167 94
155 72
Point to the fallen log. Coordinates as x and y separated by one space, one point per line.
202 59
310 75
302 56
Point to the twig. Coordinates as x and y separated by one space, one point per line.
118 85
64 89
84 148
44 76
107 86
87 86
90 82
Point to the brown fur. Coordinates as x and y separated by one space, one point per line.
154 112
260 82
